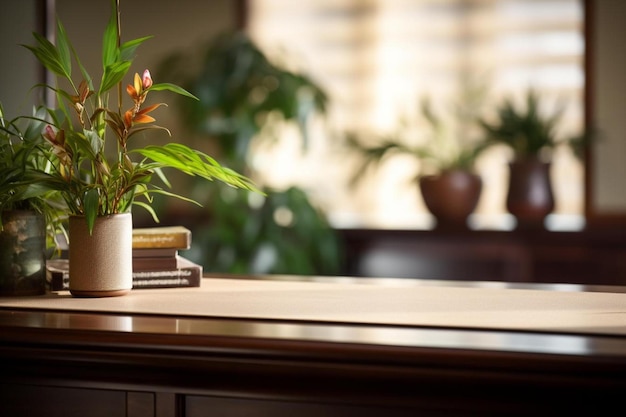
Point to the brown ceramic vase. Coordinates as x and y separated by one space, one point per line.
451 197
530 198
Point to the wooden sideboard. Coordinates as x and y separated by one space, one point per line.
279 346
590 257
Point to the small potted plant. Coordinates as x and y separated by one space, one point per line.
98 164
448 182
532 137
27 210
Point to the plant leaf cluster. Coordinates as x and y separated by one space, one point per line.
526 130
239 90
22 163
444 147
253 238
92 181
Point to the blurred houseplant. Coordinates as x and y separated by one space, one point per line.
244 97
95 167
532 136
446 157
29 213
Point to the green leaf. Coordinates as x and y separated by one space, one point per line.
113 74
195 163
140 128
83 70
60 92
63 47
172 87
110 51
149 209
162 177
47 55
91 203
35 125
94 141
127 50
170 194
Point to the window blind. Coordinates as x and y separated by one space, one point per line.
377 58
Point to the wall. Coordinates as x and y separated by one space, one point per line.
609 95
18 71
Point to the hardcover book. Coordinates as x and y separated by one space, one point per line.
155 253
186 274
173 237
156 263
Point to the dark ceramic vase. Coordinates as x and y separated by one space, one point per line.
530 198
22 253
451 197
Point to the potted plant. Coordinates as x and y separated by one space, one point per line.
532 137
446 175
27 210
98 166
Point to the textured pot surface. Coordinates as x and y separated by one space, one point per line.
530 198
101 264
451 197
22 253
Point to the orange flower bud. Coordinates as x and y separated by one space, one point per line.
132 92
128 119
50 134
84 91
137 83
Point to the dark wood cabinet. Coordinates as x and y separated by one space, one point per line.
24 400
591 257
112 358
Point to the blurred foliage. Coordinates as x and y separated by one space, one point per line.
282 233
443 150
239 91
241 95
528 132
439 141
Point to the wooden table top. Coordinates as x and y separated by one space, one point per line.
559 319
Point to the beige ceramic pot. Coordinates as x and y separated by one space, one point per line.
101 264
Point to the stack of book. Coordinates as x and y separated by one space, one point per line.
157 262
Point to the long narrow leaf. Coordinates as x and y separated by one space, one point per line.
91 202
113 74
127 50
49 59
149 209
174 88
82 68
110 52
195 163
63 48
148 127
